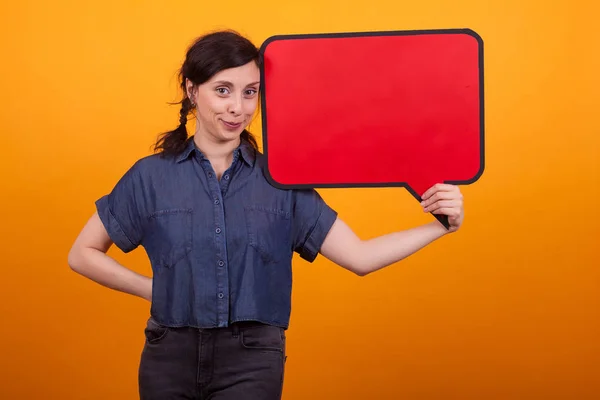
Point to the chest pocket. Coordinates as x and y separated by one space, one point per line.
168 238
269 232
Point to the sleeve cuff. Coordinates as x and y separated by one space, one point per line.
311 248
112 226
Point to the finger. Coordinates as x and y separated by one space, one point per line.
438 187
442 204
451 212
441 196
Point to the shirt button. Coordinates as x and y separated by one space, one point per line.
218 230
216 201
221 263
210 174
220 295
226 177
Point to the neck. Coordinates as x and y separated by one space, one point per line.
219 153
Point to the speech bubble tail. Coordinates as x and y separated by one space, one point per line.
443 219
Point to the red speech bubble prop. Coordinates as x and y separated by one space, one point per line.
402 108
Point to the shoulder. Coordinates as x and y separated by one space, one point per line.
154 161
261 159
261 169
262 166
148 166
146 171
268 184
302 198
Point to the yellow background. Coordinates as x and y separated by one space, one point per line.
508 308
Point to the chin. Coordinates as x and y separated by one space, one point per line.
228 135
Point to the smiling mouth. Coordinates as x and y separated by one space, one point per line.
231 125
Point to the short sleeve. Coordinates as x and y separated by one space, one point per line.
121 211
312 220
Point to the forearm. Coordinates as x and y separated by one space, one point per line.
103 269
374 254
345 248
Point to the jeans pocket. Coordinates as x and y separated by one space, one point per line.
154 331
263 338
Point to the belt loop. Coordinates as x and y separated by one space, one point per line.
236 330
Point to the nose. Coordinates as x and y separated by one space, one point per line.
235 107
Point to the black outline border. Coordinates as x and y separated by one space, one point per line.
465 31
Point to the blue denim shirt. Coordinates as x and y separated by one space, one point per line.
220 251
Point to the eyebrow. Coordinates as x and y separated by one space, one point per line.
227 83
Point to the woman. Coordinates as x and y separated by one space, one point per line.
220 239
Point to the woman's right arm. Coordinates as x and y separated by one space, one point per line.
88 257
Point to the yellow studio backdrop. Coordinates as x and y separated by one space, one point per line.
507 308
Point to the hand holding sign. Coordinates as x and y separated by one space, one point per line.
373 109
447 201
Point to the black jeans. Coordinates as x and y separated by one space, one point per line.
245 361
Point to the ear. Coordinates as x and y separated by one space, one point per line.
191 90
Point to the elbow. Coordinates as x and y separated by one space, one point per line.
360 269
361 273
74 259
360 265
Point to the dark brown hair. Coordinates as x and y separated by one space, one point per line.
208 55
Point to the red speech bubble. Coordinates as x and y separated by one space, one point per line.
375 109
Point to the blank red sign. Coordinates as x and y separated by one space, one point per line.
402 108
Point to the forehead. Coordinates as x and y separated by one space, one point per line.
242 76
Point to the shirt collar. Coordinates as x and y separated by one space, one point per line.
246 150
189 148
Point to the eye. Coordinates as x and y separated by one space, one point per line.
251 92
222 90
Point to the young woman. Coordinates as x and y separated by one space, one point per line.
220 239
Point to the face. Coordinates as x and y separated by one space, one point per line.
227 102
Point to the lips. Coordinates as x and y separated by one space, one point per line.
231 125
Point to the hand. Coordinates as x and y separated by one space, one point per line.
446 200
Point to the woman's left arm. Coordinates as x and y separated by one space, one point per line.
345 248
